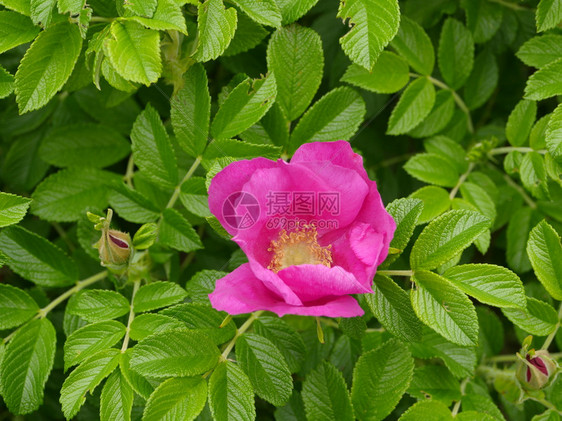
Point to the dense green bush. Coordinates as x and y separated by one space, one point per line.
134 106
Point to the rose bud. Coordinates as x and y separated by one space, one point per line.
535 370
114 248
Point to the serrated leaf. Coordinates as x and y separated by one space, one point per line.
90 339
444 308
435 201
177 233
293 410
482 81
541 50
448 148
483 18
147 324
152 150
174 353
157 295
405 213
73 7
84 145
36 259
46 66
26 364
190 111
479 198
489 284
434 382
41 11
439 116
131 205
266 368
414 105
389 74
380 378
231 396
96 305
519 226
141 8
445 237
236 149
16 307
336 115
325 395
413 43
265 12
288 341
134 52
140 385
180 398
193 196
548 14
545 253
391 306
215 29
538 319
7 83
249 34
491 334
533 175
245 105
373 25
542 84
12 208
427 409
66 195
295 55
202 284
433 169
116 402
520 122
85 378
293 10
15 29
553 135
456 53
167 16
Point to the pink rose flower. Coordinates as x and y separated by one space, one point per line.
314 231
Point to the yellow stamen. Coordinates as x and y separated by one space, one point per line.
297 248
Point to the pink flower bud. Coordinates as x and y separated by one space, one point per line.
114 248
535 370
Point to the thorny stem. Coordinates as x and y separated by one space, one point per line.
396 272
42 313
136 286
240 332
550 337
462 179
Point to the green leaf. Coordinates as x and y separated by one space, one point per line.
433 168
46 66
142 8
483 18
520 122
336 115
84 145
73 7
26 364
295 55
215 29
193 196
444 308
427 409
413 43
12 208
405 213
85 378
482 81
380 378
36 259
231 396
325 395
168 16
477 196
435 202
439 116
174 353
132 205
491 334
553 135
152 150
434 382
545 253
15 29
244 106
116 402
538 319
66 195
16 307
389 74
156 295
140 385
249 34
542 84
134 52
448 148
414 105
548 14
288 341
41 11
391 306
293 411
445 237
533 175
293 10
456 53
96 305
180 398
202 284
265 12
489 284
147 324
90 339
190 111
236 149
266 368
373 25
7 83
177 233
541 50
519 226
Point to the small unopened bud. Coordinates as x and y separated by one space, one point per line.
535 369
114 248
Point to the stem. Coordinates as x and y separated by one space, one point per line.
520 190
509 5
188 175
100 19
239 333
42 313
512 358
462 179
62 233
507 149
128 177
457 406
546 403
551 337
136 286
396 272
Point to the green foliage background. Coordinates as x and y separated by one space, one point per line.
136 105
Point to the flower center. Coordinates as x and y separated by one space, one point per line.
297 248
